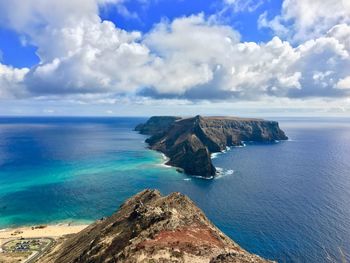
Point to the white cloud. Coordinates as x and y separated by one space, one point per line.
235 70
344 83
92 56
11 81
187 50
306 19
189 58
78 52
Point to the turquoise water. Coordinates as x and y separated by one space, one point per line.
287 201
55 170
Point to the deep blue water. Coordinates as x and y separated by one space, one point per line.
288 201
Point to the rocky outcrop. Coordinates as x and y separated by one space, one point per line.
156 125
189 142
151 228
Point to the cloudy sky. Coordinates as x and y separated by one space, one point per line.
146 57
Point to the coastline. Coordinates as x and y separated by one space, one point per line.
192 143
164 161
50 233
53 231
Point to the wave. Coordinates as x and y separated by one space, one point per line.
228 148
220 172
203 177
240 146
165 160
165 165
215 155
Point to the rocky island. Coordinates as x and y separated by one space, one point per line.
189 142
150 227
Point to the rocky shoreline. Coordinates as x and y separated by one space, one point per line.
189 142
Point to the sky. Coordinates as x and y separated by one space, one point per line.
174 57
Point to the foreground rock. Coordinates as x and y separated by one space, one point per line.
151 228
189 142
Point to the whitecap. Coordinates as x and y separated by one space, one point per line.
220 173
219 169
240 146
229 172
165 160
215 155
203 177
165 165
165 157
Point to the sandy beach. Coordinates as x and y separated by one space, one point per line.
44 231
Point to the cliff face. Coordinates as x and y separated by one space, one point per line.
189 142
151 228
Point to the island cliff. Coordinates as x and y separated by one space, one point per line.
151 228
189 142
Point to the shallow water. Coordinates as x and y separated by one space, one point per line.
287 201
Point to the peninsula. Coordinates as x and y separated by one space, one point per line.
189 142
150 227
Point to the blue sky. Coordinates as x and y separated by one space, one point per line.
145 57
155 11
146 16
13 52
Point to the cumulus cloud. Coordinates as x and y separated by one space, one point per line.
98 57
11 81
301 20
230 69
78 52
189 58
187 50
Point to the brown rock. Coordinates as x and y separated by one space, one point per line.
189 142
151 228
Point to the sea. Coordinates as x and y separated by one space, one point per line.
287 201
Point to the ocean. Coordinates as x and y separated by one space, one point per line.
287 201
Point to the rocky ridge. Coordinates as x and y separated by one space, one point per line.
189 142
153 228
